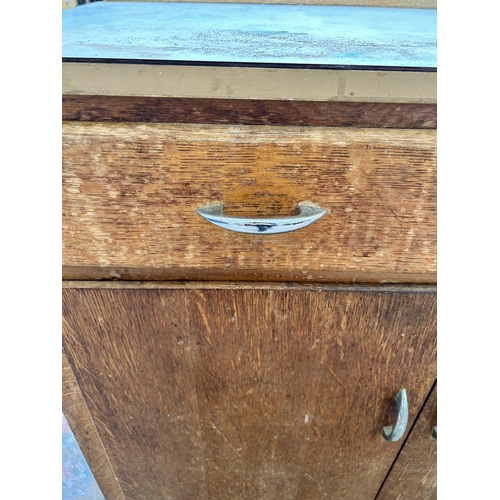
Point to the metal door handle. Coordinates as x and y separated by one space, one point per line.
307 214
396 433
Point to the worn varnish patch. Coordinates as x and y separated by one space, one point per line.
265 391
130 192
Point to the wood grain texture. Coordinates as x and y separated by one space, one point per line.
249 285
414 4
130 192
82 425
414 475
226 393
238 274
249 112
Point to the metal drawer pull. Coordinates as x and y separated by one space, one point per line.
396 433
434 432
306 215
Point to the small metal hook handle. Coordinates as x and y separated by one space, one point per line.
395 434
307 214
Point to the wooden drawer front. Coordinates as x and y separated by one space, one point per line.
131 190
249 392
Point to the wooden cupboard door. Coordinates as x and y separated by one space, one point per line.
414 474
250 391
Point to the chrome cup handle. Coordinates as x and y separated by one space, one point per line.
396 433
307 214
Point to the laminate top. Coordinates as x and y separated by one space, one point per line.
329 37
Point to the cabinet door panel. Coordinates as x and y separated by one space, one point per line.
414 475
249 391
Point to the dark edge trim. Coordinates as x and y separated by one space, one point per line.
97 108
153 62
250 285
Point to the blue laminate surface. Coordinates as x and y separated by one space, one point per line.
77 479
240 34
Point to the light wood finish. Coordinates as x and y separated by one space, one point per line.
248 112
82 425
247 83
68 4
130 193
414 4
271 392
414 475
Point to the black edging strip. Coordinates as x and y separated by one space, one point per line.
166 62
